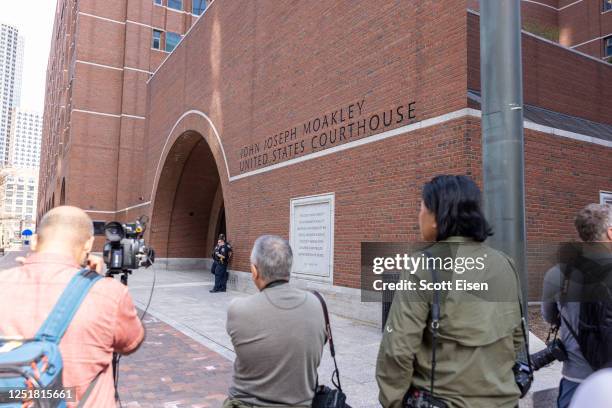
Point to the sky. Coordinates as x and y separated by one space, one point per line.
35 25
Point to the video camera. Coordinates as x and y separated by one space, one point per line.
125 247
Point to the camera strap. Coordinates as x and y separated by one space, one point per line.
523 320
524 330
435 325
332 350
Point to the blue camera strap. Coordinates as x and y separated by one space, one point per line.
66 307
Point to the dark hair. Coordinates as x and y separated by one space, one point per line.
455 201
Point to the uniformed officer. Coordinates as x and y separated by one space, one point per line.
214 257
221 256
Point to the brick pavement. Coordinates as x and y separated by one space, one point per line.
171 370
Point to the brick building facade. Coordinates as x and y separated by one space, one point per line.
102 54
267 107
583 25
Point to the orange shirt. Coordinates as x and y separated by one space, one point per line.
105 322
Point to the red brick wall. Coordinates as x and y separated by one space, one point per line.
376 186
553 77
539 17
100 150
254 82
562 176
584 22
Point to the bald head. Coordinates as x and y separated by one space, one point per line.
66 225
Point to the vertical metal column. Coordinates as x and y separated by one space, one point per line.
502 128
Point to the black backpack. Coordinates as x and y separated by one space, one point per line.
594 331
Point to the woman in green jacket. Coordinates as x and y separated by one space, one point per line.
479 331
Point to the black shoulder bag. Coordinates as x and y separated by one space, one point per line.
326 397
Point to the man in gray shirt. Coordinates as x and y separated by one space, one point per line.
278 334
594 226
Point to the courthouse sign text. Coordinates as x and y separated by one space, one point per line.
332 128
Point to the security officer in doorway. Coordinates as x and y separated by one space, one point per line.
221 256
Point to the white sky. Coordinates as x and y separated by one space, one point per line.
34 19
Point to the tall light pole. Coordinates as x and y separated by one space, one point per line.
503 158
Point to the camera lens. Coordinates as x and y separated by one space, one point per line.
114 231
555 350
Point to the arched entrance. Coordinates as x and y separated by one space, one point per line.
188 208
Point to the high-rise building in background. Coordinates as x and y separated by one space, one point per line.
26 132
11 68
20 137
102 55
18 189
19 177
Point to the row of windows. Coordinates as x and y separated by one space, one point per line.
18 210
31 180
172 40
18 201
19 194
20 187
197 6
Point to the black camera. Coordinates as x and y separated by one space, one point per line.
523 376
419 398
555 350
125 248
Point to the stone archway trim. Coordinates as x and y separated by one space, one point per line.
165 150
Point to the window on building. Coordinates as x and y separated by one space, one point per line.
20 187
9 186
198 7
156 39
605 197
175 4
158 2
19 202
607 5
172 39
18 209
608 46
8 203
29 202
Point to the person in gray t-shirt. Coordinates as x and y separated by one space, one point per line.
278 334
594 225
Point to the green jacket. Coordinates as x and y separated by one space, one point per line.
478 337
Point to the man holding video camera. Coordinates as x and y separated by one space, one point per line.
566 299
105 322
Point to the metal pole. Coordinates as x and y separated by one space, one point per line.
502 129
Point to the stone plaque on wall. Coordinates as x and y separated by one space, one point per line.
312 237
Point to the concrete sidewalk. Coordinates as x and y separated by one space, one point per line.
181 299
